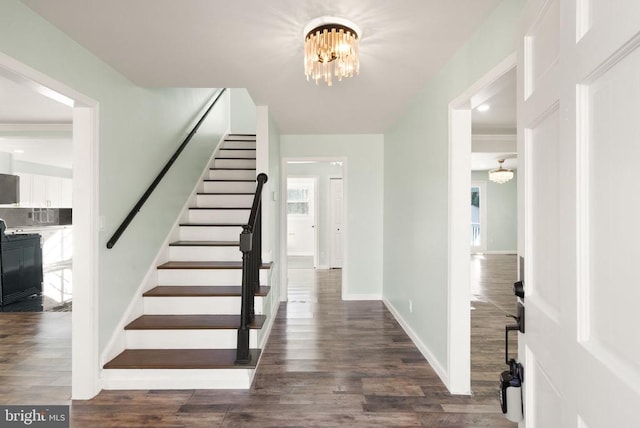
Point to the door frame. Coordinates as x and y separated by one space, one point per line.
284 289
459 272
85 370
316 192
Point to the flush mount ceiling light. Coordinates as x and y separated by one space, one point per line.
483 107
500 175
331 49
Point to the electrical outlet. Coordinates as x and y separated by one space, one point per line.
411 306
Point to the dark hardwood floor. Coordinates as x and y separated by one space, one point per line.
328 363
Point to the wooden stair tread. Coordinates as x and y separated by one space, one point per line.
191 322
180 359
205 244
206 265
201 291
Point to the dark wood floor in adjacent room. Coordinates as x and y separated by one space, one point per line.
328 363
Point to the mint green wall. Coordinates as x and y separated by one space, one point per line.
243 112
139 129
502 213
364 186
273 205
416 181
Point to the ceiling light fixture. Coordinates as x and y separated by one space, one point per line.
500 175
18 151
483 107
331 49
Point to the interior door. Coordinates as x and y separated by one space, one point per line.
578 135
336 221
301 219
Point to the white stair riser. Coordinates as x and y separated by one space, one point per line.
176 379
226 174
210 305
239 144
234 163
219 216
186 339
200 253
222 201
210 233
236 153
229 187
206 277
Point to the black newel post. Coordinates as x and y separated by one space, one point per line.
242 351
251 247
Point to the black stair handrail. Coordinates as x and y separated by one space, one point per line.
251 247
136 208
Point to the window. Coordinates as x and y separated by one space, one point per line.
298 200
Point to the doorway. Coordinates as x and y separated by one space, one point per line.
85 191
463 145
478 216
307 240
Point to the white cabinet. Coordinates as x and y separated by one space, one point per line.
42 191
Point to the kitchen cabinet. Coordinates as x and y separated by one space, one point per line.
43 191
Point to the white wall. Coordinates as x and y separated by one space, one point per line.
243 112
364 198
139 129
416 185
502 213
6 163
324 171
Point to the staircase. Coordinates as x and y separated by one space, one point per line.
187 335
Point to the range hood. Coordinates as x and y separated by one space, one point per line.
9 189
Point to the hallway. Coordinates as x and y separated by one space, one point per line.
328 363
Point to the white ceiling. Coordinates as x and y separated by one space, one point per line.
258 44
495 128
31 123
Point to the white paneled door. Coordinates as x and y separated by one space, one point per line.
335 220
579 136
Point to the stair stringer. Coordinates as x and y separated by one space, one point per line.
117 342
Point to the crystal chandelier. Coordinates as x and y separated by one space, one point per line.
330 49
500 175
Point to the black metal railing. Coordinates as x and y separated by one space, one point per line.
251 247
125 223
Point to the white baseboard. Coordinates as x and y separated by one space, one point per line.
506 252
424 349
362 297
